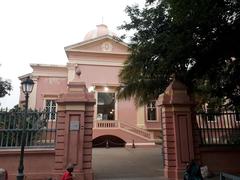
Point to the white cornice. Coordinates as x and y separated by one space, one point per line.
96 63
36 75
49 75
24 76
47 65
49 70
106 84
99 52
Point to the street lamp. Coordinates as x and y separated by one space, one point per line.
27 87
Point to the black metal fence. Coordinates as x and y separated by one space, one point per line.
219 128
225 176
40 131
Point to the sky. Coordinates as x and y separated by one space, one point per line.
36 31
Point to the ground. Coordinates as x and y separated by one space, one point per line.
128 163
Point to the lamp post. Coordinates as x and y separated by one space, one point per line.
27 87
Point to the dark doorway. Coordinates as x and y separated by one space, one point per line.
108 141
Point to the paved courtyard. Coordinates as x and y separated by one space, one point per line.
128 163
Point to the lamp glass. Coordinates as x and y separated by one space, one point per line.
27 85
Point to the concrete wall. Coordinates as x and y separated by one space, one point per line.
49 87
127 112
221 159
102 75
38 163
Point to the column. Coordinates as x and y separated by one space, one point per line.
177 130
74 131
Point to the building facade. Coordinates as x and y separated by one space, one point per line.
98 59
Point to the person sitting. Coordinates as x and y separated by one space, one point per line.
193 171
68 173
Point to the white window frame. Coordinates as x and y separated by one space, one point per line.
146 113
45 103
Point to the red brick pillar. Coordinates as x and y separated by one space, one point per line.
177 130
74 132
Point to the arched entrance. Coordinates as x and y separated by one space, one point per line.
108 141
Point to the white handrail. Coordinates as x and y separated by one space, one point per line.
136 130
106 124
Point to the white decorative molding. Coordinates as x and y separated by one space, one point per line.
68 48
96 63
106 47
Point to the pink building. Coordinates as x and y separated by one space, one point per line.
100 57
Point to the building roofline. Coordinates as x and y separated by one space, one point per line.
47 65
114 38
24 76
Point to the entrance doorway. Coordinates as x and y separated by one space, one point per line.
108 141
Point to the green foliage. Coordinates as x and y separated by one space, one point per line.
5 87
196 41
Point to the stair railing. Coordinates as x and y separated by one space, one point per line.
138 131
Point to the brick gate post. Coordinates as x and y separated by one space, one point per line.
74 132
177 129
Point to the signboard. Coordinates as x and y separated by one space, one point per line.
74 125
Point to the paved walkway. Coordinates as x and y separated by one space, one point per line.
128 163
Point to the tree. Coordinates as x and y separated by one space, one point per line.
197 42
5 87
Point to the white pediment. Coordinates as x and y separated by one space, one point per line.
104 44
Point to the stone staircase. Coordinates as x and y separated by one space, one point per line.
129 133
137 131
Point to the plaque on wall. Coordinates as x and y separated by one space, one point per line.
74 125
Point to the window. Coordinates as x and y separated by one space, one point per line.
50 106
105 106
151 111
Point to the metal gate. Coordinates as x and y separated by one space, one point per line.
40 131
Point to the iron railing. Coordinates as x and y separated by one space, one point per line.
219 128
225 176
40 131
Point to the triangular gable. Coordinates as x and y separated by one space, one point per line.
104 44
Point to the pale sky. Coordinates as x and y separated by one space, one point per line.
36 31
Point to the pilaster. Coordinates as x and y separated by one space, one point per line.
74 131
178 147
